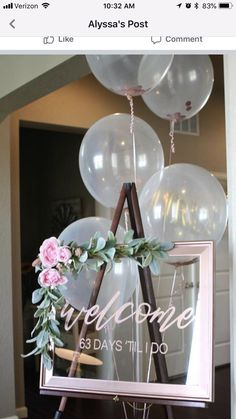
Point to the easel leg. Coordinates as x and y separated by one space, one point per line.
92 301
148 291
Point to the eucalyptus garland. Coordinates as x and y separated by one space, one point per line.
55 260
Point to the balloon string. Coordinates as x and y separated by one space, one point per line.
131 129
134 158
127 219
172 139
131 104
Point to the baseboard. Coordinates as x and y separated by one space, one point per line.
22 412
11 417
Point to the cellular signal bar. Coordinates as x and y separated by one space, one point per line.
8 6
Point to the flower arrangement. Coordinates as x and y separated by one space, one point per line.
55 260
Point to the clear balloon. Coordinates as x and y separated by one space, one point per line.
121 278
129 74
110 155
184 203
184 90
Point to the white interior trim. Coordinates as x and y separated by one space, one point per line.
230 112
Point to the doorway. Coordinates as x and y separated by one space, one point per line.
52 196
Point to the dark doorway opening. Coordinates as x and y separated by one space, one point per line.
52 196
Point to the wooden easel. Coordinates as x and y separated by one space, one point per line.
129 193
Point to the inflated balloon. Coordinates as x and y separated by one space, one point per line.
184 90
121 278
129 74
184 203
110 155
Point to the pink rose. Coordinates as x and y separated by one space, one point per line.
49 252
63 254
51 278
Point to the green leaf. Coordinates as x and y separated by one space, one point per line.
129 251
162 254
100 263
58 306
139 263
42 339
38 324
39 351
37 295
32 340
30 353
166 246
76 270
139 244
102 256
38 312
59 303
111 253
45 321
87 245
53 296
58 342
62 288
71 244
101 243
47 361
94 265
147 260
128 236
154 266
83 257
37 269
156 254
111 236
135 242
153 242
45 303
54 328
108 267
97 235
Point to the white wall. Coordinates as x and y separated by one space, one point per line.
19 70
230 102
26 78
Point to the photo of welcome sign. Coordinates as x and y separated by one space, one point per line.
127 337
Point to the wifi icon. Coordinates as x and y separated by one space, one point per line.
45 5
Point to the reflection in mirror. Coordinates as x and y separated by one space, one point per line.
124 352
118 348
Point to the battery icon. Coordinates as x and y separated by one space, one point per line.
225 5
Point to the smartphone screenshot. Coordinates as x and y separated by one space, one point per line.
117 209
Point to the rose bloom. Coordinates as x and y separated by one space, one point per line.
64 254
51 278
49 252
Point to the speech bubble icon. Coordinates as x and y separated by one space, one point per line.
156 39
